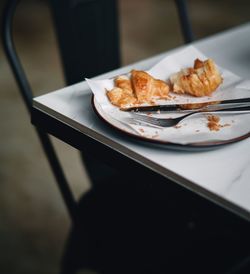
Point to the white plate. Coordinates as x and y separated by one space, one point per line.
193 132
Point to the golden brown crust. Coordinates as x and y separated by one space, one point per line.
160 89
198 63
124 83
142 84
119 98
148 88
201 80
212 74
140 88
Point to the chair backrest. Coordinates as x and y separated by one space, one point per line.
88 35
88 38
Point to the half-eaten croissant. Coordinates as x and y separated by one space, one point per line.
201 80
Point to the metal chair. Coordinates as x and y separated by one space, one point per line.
95 222
72 22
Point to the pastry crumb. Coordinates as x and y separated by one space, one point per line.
213 123
177 126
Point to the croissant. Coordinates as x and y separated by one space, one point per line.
140 88
201 80
147 88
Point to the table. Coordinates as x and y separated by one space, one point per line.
220 175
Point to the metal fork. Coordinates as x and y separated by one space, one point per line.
160 122
170 122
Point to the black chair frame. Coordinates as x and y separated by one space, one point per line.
26 91
27 96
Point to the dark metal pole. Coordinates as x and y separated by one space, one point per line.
185 20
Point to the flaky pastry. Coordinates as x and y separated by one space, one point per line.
147 88
120 98
124 83
140 88
201 80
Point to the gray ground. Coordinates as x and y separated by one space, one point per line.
33 219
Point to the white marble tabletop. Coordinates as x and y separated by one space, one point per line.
221 175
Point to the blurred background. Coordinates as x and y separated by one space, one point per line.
33 220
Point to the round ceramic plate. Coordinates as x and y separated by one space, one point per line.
192 134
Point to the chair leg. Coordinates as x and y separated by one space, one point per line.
67 266
104 172
66 270
242 267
